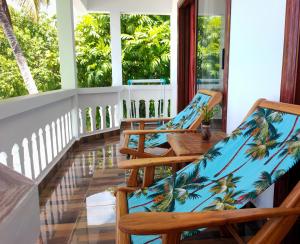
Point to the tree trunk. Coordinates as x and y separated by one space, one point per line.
13 42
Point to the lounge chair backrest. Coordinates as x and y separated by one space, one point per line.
190 117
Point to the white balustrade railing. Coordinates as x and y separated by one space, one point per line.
37 130
154 98
99 109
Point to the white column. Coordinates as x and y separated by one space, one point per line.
66 42
174 48
64 11
116 49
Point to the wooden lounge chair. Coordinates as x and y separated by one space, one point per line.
188 120
171 225
235 171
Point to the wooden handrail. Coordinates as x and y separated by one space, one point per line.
145 132
146 120
149 162
151 223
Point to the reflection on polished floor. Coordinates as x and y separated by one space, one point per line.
77 205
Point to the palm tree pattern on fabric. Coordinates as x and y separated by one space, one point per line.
183 120
234 171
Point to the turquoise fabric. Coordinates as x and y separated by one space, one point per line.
232 173
183 120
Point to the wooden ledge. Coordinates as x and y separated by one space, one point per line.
144 132
151 223
148 162
146 120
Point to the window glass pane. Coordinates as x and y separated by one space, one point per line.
210 46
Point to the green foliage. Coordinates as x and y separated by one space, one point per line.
145 43
145 46
93 52
38 41
209 46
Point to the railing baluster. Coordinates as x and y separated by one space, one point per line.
116 116
101 126
70 126
35 156
63 132
80 118
54 140
59 139
84 130
16 159
147 106
156 108
42 150
48 143
26 162
128 107
137 113
66 129
112 116
93 118
3 158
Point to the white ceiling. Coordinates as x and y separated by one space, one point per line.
126 6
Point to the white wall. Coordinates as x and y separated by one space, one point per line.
131 6
256 48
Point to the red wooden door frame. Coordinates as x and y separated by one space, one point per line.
290 93
187 54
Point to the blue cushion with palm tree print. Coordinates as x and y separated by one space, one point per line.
183 120
233 172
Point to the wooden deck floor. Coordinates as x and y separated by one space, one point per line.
77 205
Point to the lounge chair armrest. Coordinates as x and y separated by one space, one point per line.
145 132
150 223
146 120
148 162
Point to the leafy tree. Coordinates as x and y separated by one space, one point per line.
38 41
32 7
93 52
145 46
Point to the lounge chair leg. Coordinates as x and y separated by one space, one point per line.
148 176
234 233
171 238
133 178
